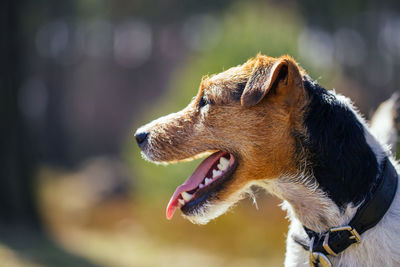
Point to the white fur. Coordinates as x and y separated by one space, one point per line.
210 210
306 204
379 246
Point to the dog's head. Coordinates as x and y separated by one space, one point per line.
245 117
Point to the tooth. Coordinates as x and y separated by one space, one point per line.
181 201
222 167
224 161
186 196
216 173
207 181
201 185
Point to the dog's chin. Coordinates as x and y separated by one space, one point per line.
207 212
156 159
153 158
212 209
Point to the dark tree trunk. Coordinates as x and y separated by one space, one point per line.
17 201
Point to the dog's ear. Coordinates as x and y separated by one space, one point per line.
266 74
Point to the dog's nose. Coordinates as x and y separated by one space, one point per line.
141 138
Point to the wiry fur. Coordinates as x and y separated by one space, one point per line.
379 246
305 145
210 211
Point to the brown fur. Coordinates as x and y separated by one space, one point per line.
255 126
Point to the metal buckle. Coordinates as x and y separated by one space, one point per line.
355 234
326 246
317 258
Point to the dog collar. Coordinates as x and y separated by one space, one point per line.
337 239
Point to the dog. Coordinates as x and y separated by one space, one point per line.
266 123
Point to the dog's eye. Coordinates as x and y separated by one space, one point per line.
203 102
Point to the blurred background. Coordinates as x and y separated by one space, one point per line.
78 77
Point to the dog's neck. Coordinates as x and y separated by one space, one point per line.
338 164
306 202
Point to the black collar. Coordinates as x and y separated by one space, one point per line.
378 201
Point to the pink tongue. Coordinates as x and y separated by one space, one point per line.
192 182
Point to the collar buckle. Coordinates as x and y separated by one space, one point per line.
326 246
367 216
317 258
355 235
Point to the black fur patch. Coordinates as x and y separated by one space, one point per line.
335 147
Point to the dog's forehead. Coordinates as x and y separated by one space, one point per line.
229 84
237 73
226 84
241 72
230 74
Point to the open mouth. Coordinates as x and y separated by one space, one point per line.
209 177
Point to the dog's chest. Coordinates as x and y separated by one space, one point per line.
379 246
